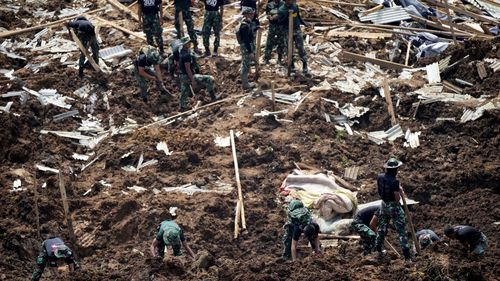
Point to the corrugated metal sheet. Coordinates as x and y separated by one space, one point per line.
444 63
493 10
379 137
394 132
113 52
433 75
387 15
495 66
351 172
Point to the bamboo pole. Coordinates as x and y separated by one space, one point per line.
85 51
237 219
238 182
388 99
290 41
389 245
37 210
67 216
33 28
410 223
374 9
343 3
123 9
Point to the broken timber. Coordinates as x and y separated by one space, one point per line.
85 51
384 63
33 28
240 209
464 12
388 99
121 28
123 8
67 215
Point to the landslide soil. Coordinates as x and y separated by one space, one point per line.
455 174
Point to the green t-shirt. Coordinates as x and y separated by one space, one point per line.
169 230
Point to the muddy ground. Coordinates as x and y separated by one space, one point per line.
455 174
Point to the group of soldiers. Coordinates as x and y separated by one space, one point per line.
371 223
185 50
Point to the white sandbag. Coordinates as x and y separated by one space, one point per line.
318 184
339 227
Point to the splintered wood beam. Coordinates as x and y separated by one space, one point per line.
49 24
123 9
384 63
121 28
464 12
85 51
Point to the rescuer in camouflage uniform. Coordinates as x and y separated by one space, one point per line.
52 250
390 191
298 38
85 32
173 59
171 235
365 224
213 20
299 221
150 13
245 36
275 34
182 6
143 71
188 77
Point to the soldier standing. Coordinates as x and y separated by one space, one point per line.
245 36
150 14
298 38
183 6
213 20
275 35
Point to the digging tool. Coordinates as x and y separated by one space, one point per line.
237 219
257 54
410 222
85 52
238 182
290 41
389 245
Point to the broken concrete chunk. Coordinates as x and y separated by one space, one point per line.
225 141
351 111
412 139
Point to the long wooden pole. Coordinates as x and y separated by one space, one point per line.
85 51
273 95
257 54
67 216
37 210
238 182
410 223
388 99
389 245
408 53
237 219
121 28
342 3
33 28
290 41
123 9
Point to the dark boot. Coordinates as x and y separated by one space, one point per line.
213 96
305 70
80 72
215 54
207 51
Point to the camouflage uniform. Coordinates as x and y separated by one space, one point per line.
143 82
246 43
388 211
173 59
367 235
211 21
169 234
182 6
152 56
297 215
275 35
153 30
47 256
298 38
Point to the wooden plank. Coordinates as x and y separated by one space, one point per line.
384 63
450 22
85 51
343 3
374 9
67 215
121 28
438 25
388 99
408 49
237 215
481 70
123 9
33 28
367 35
464 12
37 210
257 54
238 182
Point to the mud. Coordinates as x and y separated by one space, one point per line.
454 174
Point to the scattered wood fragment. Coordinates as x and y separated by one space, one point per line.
57 22
464 12
384 63
388 99
240 209
123 9
67 215
389 245
273 96
374 9
481 70
290 42
367 35
37 210
257 54
343 3
450 23
410 224
408 53
121 28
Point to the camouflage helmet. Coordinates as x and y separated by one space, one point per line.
247 10
62 251
425 240
151 53
172 236
393 163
